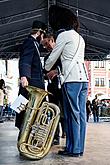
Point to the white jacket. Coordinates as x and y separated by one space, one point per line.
66 45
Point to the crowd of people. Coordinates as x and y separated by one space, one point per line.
97 108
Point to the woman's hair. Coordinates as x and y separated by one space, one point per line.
62 18
76 24
2 82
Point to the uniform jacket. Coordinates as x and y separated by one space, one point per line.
66 46
29 64
30 67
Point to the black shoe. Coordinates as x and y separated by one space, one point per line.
1 121
81 153
64 153
56 142
74 155
63 135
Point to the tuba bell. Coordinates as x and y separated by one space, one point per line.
39 126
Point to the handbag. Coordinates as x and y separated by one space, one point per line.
60 75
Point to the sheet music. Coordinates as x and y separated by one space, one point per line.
19 104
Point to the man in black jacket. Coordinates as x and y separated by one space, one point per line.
30 67
54 85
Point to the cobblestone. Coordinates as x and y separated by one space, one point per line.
97 148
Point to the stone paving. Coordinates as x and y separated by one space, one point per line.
97 149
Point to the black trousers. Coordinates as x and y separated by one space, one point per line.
57 98
20 116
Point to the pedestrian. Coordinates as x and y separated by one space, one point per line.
2 94
70 48
103 108
88 109
95 109
30 67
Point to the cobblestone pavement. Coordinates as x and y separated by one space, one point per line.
97 149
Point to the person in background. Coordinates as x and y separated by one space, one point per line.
70 46
95 109
30 67
88 109
103 108
2 94
54 85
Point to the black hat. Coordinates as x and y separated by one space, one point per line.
38 25
61 18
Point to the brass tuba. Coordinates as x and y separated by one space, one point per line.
39 126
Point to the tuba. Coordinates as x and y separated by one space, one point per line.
39 126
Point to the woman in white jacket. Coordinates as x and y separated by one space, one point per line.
70 47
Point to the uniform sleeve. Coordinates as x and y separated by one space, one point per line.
56 52
26 58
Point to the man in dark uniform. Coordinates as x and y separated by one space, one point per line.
54 85
30 67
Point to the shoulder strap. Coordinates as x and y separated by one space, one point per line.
37 48
36 45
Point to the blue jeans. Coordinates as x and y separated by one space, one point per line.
74 95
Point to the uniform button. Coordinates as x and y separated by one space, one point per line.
77 62
80 78
80 71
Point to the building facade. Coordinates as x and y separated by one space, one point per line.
9 72
99 78
98 73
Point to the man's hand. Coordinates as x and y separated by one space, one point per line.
52 74
24 82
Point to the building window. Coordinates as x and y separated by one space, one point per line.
102 64
102 82
99 64
96 64
96 81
